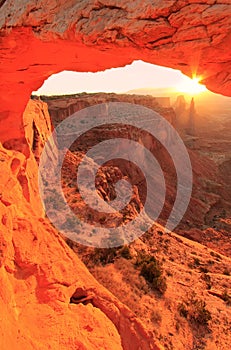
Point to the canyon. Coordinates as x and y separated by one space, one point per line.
189 267
204 220
42 279
185 262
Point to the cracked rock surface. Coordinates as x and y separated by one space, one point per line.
39 38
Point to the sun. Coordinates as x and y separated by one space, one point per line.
191 86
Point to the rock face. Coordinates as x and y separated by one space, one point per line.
62 107
40 274
37 126
39 38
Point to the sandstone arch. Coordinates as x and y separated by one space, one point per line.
39 38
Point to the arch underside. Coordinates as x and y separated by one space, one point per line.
41 38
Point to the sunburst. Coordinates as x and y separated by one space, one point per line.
191 86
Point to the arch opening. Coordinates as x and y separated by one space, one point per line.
194 114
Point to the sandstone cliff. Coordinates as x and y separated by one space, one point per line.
40 274
61 107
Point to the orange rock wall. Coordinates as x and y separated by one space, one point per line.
39 38
39 273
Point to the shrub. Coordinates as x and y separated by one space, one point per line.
152 271
183 310
160 284
196 262
199 312
204 269
160 233
211 262
195 310
144 258
207 280
104 256
125 252
215 255
226 272
226 297
156 317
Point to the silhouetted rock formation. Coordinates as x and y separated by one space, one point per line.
180 105
191 118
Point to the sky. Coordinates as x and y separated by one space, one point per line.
137 75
